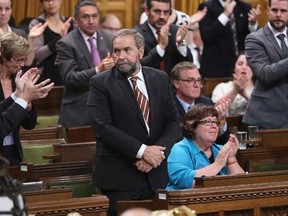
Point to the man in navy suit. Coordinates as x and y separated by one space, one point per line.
187 84
131 152
220 45
76 65
165 49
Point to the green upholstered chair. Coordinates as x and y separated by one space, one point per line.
47 121
33 154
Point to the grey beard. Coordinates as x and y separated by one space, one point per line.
128 71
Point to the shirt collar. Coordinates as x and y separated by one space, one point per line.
139 74
86 37
275 32
184 104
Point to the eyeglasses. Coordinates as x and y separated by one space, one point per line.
19 61
190 81
209 123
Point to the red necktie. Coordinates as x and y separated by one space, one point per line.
162 62
94 52
141 99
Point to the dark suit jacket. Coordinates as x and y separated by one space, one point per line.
222 138
268 105
12 116
151 57
76 68
29 123
218 56
120 130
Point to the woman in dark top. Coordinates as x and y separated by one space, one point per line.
14 50
58 26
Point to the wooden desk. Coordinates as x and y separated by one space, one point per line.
31 172
247 157
246 200
251 178
88 206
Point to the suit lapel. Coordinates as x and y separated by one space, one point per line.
129 94
271 38
102 49
83 48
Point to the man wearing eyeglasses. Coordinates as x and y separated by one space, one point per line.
81 54
187 82
164 42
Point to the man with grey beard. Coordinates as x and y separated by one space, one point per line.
134 136
266 52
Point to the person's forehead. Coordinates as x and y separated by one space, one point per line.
191 72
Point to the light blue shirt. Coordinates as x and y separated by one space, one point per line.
185 158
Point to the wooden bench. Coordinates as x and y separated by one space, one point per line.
81 185
273 137
210 83
80 134
42 133
34 150
248 157
84 151
51 104
247 199
87 206
47 195
26 172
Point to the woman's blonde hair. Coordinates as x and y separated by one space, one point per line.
13 44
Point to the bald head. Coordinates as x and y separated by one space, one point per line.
137 212
111 23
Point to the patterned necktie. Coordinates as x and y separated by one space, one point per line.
94 52
162 62
284 47
141 100
234 32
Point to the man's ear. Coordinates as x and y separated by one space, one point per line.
141 52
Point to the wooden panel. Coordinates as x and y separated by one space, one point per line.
122 8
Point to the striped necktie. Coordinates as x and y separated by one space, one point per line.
141 100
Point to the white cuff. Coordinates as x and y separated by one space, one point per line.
21 102
141 151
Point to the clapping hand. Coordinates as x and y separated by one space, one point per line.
253 14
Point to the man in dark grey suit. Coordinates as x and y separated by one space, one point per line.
187 83
131 151
268 105
76 64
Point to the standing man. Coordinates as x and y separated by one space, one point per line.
187 83
132 140
223 31
164 42
267 56
81 54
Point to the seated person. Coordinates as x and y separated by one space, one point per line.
187 83
238 90
199 154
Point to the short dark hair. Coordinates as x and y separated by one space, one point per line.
269 2
82 3
138 38
149 3
178 68
193 117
